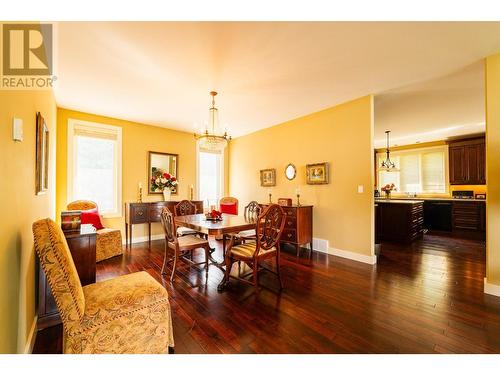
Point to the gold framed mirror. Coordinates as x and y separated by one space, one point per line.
290 171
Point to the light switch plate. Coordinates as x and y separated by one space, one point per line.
17 129
361 189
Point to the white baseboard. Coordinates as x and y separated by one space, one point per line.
369 259
30 342
321 245
145 238
492 289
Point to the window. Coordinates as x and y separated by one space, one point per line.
94 165
420 170
210 176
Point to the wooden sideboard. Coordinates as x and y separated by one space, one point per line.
82 248
298 226
147 213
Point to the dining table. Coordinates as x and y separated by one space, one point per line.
228 224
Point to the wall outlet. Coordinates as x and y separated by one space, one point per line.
17 129
361 189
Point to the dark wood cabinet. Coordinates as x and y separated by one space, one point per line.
467 161
469 217
400 221
82 248
298 226
147 213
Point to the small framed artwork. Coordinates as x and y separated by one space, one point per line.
268 177
42 155
161 164
317 174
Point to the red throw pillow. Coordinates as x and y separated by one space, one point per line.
229 208
92 217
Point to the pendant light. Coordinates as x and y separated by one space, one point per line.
388 165
213 139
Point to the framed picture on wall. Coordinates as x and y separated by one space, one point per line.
268 177
317 174
159 164
42 155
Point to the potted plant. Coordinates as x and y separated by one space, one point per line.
387 189
163 181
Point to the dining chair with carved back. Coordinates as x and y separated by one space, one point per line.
265 245
252 211
181 246
183 208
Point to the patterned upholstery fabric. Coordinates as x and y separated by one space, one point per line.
57 262
108 244
109 241
82 205
248 249
128 314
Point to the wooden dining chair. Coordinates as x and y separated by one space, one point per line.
252 211
181 246
266 245
182 208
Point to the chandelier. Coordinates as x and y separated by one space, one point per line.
213 139
388 165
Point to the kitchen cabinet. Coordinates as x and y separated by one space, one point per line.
469 217
399 220
467 161
437 215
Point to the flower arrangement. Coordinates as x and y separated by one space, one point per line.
388 189
214 215
161 180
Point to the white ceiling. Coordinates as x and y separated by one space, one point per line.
161 73
433 110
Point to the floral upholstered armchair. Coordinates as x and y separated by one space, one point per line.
109 241
128 314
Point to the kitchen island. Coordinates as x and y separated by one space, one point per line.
399 220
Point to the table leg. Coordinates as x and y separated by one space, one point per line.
130 240
149 235
126 236
310 250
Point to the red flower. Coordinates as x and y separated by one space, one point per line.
174 179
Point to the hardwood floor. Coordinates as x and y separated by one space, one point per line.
422 298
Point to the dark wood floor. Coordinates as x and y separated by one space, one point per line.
423 298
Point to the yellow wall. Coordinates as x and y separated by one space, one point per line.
20 208
493 168
341 135
138 139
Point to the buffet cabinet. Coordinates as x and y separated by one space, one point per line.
147 213
298 229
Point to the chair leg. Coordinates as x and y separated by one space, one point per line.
256 275
165 258
229 265
207 252
278 269
174 266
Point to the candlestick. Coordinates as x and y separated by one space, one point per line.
191 192
139 198
298 199
270 200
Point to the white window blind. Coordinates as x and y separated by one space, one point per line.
94 165
420 170
210 176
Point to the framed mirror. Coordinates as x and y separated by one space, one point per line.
160 163
290 171
42 155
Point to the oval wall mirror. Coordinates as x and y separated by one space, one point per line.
290 171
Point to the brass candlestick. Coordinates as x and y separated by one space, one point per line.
270 200
139 197
298 199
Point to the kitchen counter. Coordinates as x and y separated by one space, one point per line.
429 199
399 201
